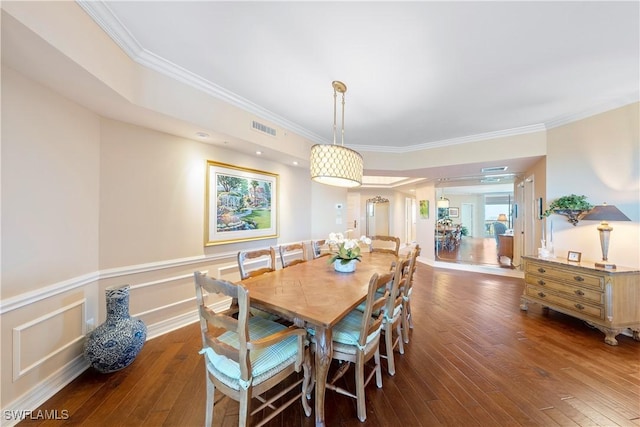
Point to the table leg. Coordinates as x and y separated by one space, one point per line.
324 351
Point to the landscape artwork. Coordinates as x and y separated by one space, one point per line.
240 204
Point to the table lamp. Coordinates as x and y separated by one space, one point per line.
605 213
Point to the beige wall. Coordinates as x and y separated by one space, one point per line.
50 197
597 157
152 196
89 202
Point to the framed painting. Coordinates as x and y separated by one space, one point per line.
424 209
241 204
454 212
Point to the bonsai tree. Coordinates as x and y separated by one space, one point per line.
572 206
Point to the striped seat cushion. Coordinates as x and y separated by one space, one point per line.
267 360
347 331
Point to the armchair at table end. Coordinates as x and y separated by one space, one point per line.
388 244
251 356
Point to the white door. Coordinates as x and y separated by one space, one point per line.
353 215
410 219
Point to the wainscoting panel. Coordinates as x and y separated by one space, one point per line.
45 337
43 333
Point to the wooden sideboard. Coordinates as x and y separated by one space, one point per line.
605 299
505 246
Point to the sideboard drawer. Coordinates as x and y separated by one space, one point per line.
569 276
579 307
593 296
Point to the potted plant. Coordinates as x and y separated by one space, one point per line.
571 206
348 252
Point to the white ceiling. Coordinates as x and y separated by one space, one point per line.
419 74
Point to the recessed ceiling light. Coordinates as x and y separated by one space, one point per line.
202 135
259 153
295 163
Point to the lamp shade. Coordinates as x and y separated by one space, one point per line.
442 203
336 165
605 213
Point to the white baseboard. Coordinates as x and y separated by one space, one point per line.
43 392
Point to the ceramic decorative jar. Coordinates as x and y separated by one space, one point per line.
348 267
115 343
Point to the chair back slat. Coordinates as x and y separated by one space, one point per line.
223 320
407 285
292 254
400 273
267 255
372 316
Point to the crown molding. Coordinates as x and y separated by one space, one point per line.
100 12
611 105
453 141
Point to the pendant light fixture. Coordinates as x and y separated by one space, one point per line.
443 202
336 164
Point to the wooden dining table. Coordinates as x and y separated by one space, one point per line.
313 295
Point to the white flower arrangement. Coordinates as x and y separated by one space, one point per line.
348 249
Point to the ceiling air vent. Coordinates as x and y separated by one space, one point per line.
495 169
257 126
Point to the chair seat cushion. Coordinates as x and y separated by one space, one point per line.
270 360
347 331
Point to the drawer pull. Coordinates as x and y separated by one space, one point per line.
541 282
578 278
579 293
541 270
541 294
579 306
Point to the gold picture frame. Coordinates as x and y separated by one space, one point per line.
240 204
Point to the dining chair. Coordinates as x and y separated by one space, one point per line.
264 258
292 254
263 261
392 315
388 244
356 340
406 289
317 246
245 357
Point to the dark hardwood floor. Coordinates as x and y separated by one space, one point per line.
474 359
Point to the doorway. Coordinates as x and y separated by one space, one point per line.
464 229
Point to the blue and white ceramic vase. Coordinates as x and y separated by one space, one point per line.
115 344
